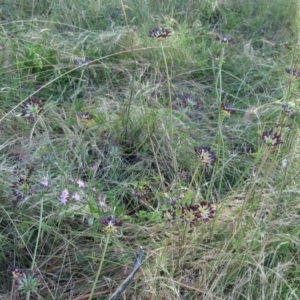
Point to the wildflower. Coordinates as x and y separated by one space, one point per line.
142 192
206 156
26 280
45 183
289 111
188 215
81 62
159 33
292 72
64 197
94 167
85 116
76 196
102 203
189 101
110 223
169 215
32 108
204 211
271 138
80 183
21 188
227 110
224 39
191 214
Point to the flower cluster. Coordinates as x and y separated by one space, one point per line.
293 72
189 100
110 224
21 188
159 33
65 195
289 111
206 156
271 138
224 39
82 62
142 192
32 108
26 280
85 116
227 110
191 214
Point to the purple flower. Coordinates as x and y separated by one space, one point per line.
227 110
204 211
169 215
111 222
271 138
80 183
45 183
94 167
289 111
85 116
224 39
21 189
64 197
159 33
32 108
76 196
292 72
190 214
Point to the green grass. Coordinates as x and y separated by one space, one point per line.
147 105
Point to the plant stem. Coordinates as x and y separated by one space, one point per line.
100 267
170 107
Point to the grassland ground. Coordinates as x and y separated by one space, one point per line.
167 125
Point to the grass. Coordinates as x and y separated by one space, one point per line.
112 131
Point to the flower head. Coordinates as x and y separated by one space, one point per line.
292 72
64 197
189 100
169 215
85 116
110 224
227 110
289 111
94 167
80 183
191 214
76 196
45 182
21 189
32 108
271 138
26 280
206 156
204 211
159 33
224 39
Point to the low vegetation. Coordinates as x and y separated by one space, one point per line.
151 142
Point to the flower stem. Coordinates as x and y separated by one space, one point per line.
100 267
170 108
